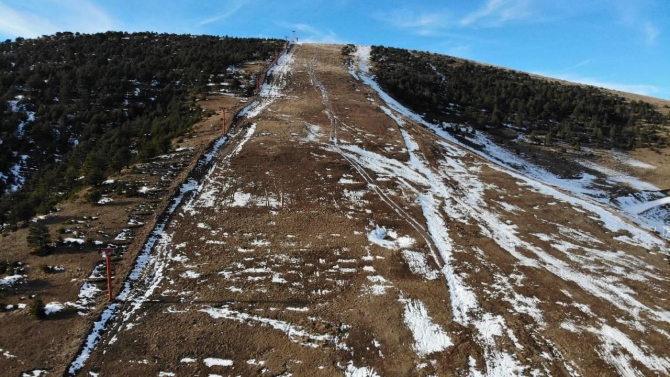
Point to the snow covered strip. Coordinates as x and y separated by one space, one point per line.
295 333
270 92
143 261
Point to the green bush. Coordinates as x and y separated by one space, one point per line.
348 49
7 266
39 237
94 196
37 309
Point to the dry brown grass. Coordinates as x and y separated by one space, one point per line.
308 261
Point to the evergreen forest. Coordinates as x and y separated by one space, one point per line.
75 108
447 89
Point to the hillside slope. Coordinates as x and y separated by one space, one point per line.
446 88
76 108
337 232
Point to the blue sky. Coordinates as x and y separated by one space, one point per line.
619 44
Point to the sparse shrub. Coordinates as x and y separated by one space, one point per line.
37 309
4 266
348 49
51 269
94 196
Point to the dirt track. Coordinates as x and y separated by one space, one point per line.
334 235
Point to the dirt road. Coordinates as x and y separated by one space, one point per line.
337 234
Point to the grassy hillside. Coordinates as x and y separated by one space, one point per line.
74 108
486 97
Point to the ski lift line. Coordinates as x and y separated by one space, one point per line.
112 316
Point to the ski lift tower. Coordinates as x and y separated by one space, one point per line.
293 36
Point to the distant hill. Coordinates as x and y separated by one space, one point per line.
75 108
450 89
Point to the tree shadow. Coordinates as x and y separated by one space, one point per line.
71 248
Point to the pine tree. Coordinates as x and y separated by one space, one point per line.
38 236
37 309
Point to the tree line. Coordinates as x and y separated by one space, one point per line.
448 89
78 105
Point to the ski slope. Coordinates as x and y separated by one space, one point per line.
336 232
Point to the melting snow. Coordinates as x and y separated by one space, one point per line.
353 371
86 298
418 264
12 279
211 361
428 336
295 333
190 275
389 239
614 341
53 307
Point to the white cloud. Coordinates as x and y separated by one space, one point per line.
461 51
499 12
646 90
52 16
420 23
85 17
636 15
231 11
23 24
308 33
580 64
652 32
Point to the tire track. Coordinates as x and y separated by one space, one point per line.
334 122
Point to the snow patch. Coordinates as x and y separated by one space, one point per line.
353 371
428 336
389 239
211 361
53 307
419 265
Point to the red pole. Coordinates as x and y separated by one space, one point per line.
108 260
